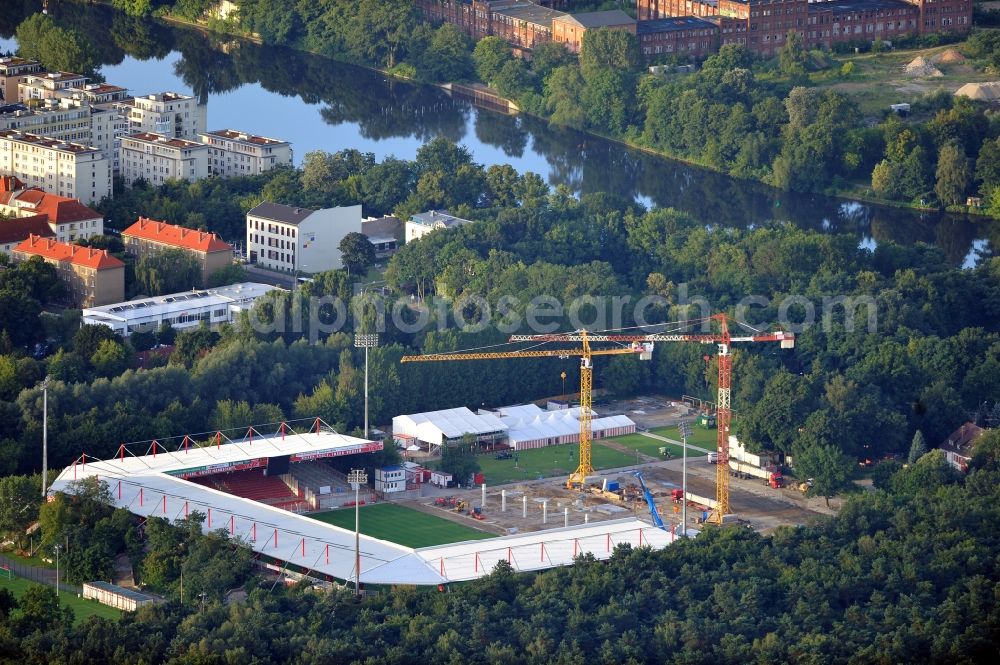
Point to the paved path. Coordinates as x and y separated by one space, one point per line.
675 442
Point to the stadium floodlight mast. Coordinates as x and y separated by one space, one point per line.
366 341
357 478
685 429
45 435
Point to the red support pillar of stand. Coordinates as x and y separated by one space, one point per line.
250 434
140 497
218 440
121 453
282 431
542 551
164 504
442 564
154 448
477 562
83 456
276 538
640 537
328 554
209 518
303 546
609 542
119 490
185 509
510 555
232 525
253 532
185 444
317 425
576 546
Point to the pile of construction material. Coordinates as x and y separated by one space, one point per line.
921 67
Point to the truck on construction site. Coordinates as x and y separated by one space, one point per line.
745 464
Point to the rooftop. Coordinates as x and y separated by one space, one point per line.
98 259
672 24
14 61
528 11
599 19
132 594
17 229
278 212
437 218
236 135
160 139
849 6
60 209
178 302
177 236
54 144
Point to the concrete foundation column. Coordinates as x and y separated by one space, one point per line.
524 507
545 511
565 516
586 518
483 503
503 501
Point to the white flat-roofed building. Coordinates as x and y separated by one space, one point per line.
48 85
178 310
73 170
235 153
423 223
168 113
115 596
159 158
291 239
64 119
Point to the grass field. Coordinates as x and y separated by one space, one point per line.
649 446
549 461
402 525
82 609
32 561
700 437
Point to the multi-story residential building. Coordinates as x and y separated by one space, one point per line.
569 29
68 169
64 119
66 219
235 153
158 158
423 223
290 239
15 230
178 310
168 113
13 71
92 276
49 85
148 236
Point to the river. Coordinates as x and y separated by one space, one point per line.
319 104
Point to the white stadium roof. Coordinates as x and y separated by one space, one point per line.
150 486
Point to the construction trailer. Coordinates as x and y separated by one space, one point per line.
119 597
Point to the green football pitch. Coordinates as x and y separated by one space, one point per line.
82 608
549 461
402 525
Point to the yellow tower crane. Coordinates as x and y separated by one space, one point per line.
579 477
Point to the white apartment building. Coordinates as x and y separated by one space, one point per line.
48 85
159 158
13 71
66 169
423 223
235 153
168 113
63 119
290 239
178 310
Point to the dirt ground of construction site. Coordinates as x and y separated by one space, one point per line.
544 504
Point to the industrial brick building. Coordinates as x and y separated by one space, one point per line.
760 25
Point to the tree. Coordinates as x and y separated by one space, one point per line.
447 57
19 501
563 90
459 458
829 468
918 448
489 56
792 55
135 7
110 359
356 253
89 337
58 49
953 175
605 49
169 271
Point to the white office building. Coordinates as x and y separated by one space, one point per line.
290 239
234 153
159 158
178 310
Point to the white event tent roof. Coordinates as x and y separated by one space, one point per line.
437 426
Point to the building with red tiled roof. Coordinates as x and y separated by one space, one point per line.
958 447
15 230
148 236
68 219
92 276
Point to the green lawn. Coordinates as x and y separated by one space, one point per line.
29 561
650 446
82 609
549 461
700 437
402 525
